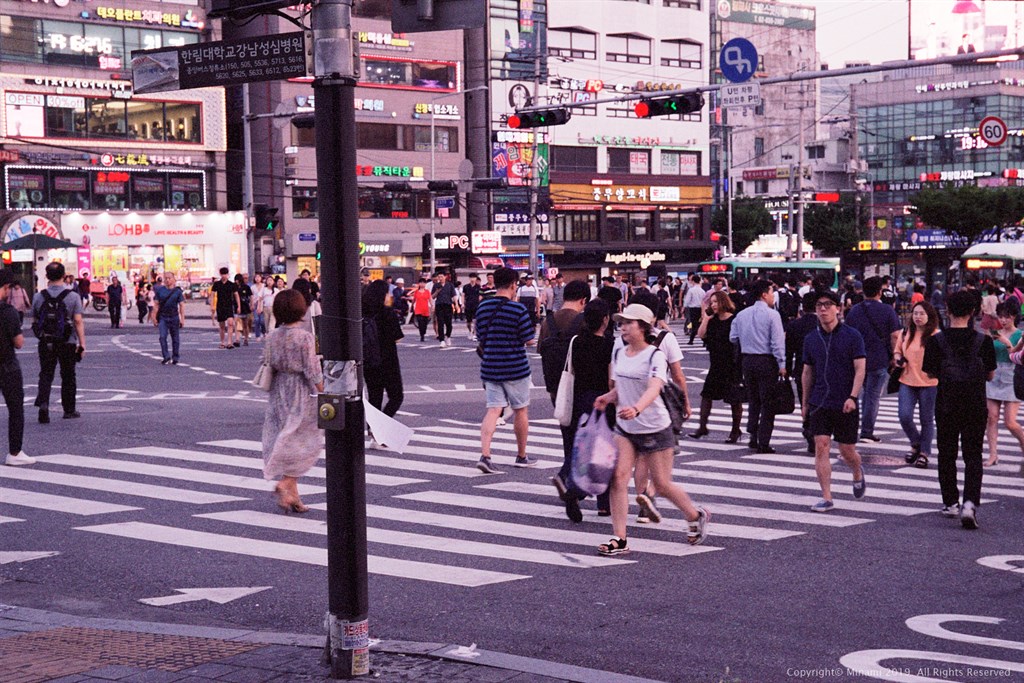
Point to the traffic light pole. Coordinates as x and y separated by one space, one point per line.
341 335
247 201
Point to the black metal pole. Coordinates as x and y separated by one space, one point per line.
341 334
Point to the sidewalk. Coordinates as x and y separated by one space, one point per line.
37 646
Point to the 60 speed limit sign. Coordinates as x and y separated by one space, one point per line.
992 131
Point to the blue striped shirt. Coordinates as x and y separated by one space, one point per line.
503 334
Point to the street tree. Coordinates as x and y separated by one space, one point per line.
749 220
832 228
970 211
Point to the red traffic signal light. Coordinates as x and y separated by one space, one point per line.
666 106
539 119
827 197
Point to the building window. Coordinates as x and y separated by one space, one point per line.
816 152
685 4
306 136
372 9
629 161
404 74
760 187
575 227
304 202
376 136
758 148
570 159
629 48
628 226
684 54
678 226
380 203
680 163
572 43
107 189
417 138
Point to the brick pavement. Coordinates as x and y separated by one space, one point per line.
38 646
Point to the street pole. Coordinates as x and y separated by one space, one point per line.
433 203
732 188
534 180
247 202
341 335
800 182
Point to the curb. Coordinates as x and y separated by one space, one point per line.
27 619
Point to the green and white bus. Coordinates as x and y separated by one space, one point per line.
752 268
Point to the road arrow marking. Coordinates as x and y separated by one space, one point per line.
217 595
26 556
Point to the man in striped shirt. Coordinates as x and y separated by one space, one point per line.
504 329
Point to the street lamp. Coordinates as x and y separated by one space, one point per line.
433 151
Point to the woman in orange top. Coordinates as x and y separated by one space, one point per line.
917 388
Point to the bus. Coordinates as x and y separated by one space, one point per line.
990 262
750 268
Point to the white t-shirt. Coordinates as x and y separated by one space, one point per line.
631 378
670 345
528 292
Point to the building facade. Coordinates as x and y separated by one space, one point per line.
136 182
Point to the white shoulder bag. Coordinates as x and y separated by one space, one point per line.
564 396
264 376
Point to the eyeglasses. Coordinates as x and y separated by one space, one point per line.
824 304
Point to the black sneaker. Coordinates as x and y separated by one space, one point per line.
72 415
44 416
870 438
572 509
165 361
526 462
484 465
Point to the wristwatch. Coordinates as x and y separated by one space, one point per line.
852 398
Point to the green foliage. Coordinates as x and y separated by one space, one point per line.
969 211
749 220
832 228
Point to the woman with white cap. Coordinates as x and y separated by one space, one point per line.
643 429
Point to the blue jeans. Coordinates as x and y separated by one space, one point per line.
259 325
172 326
925 398
874 384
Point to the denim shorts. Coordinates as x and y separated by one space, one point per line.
515 394
651 442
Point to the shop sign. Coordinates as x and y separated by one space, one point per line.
899 186
448 242
639 163
943 176
511 223
636 140
29 224
147 229
767 14
651 86
24 99
307 103
114 86
765 173
519 136
868 245
515 162
65 101
55 3
441 111
645 259
621 194
380 248
11 155
390 171
664 194
588 85
150 16
931 238
488 242
396 42
80 44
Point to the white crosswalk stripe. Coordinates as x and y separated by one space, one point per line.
47 501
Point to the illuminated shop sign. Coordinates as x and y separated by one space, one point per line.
112 86
441 111
645 259
964 85
150 16
11 155
379 248
635 140
765 173
622 194
390 171
488 242
959 174
385 41
307 103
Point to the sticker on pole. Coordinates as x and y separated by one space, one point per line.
738 60
992 131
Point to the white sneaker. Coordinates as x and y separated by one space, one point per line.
20 459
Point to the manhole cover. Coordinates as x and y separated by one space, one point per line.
102 408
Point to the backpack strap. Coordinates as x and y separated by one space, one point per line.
63 295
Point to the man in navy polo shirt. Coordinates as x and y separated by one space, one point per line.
504 329
833 376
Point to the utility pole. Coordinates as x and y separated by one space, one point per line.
727 155
800 181
247 200
341 336
534 186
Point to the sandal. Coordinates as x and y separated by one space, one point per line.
698 531
922 462
614 546
992 463
647 508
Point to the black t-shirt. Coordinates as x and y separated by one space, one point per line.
245 297
389 331
959 398
591 357
225 292
115 293
303 286
10 327
611 296
471 295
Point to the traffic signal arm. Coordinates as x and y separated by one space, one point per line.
540 118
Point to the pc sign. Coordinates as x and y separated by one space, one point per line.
738 60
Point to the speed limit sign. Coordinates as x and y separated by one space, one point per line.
992 131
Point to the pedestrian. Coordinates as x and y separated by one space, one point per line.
999 390
291 440
989 302
889 296
917 389
612 296
758 329
880 327
505 328
422 307
142 300
259 321
273 290
723 373
18 298
169 317
58 326
796 332
591 359
643 429
309 289
832 378
529 296
558 293
223 305
84 289
444 301
12 385
115 298
386 373
471 298
693 304
963 361
488 290
244 307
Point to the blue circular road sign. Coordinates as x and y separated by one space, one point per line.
738 60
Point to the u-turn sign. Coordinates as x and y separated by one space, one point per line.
738 60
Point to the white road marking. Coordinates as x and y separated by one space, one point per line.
47 501
129 488
221 596
11 557
8 520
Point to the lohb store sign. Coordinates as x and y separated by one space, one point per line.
151 229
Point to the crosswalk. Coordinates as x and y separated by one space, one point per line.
433 517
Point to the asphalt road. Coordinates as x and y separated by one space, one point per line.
778 593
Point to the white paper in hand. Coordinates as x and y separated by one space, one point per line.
387 430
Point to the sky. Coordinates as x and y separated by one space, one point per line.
861 30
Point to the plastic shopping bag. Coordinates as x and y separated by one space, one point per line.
594 454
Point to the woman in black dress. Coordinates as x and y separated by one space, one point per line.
380 369
720 384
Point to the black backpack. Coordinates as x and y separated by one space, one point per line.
553 351
51 325
961 364
372 356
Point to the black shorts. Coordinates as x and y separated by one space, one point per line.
470 313
224 316
835 423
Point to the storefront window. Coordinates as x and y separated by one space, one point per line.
69 190
304 202
20 40
72 188
149 191
187 192
677 226
26 190
575 227
639 226
445 139
106 119
394 73
182 122
633 226
110 189
616 227
65 116
376 136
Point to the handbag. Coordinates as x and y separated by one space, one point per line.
264 376
783 397
893 385
566 385
1018 381
736 393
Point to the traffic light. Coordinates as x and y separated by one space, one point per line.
490 184
266 217
442 186
318 251
666 106
538 119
